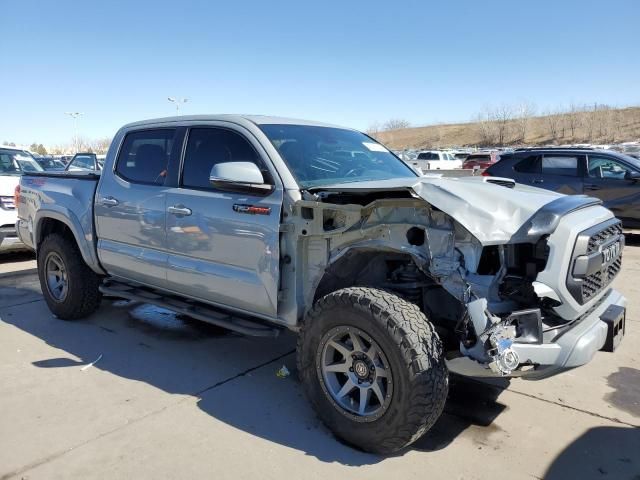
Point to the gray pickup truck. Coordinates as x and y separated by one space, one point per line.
390 280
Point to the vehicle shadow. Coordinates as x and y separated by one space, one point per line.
17 256
632 239
601 452
233 377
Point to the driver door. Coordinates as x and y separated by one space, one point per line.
223 245
606 180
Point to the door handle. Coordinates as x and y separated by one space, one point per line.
538 180
591 187
179 210
109 201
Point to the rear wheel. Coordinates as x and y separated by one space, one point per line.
68 285
372 366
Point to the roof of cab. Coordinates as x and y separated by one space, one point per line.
256 119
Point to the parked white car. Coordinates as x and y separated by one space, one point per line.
437 160
13 162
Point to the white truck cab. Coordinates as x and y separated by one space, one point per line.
13 161
437 160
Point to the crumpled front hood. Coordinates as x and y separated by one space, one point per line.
493 213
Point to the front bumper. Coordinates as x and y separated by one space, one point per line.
9 239
574 347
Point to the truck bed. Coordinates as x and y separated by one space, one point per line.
59 196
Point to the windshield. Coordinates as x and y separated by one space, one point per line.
13 162
322 155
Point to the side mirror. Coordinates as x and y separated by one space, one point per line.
632 176
244 176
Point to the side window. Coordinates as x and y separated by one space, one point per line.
423 156
560 165
530 164
606 167
144 156
207 147
7 164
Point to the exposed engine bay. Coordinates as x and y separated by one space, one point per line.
481 297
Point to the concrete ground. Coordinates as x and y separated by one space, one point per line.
172 399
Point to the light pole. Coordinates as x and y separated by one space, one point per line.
177 101
75 116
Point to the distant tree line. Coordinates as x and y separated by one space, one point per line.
511 124
96 145
394 124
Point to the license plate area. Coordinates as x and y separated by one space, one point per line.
614 316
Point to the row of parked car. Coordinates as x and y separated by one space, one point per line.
13 163
79 161
607 174
450 159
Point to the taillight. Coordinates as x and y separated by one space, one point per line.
485 174
16 196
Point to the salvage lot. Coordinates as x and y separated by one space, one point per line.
168 398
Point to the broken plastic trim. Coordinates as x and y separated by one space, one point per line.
546 220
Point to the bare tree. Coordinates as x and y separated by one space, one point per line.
524 112
486 127
616 125
396 124
573 120
553 121
374 129
100 145
503 116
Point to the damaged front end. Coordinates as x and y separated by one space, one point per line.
452 251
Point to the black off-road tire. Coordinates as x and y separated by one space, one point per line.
415 355
83 295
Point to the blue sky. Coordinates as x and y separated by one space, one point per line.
346 62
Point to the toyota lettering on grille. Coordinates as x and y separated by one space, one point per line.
610 253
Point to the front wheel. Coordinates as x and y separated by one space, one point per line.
373 368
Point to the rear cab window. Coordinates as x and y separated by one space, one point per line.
144 156
83 162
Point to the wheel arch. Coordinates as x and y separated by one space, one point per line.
360 265
65 222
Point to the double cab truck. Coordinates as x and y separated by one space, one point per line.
391 281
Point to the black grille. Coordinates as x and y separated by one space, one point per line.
590 244
603 236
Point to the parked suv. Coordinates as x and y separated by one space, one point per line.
605 174
481 160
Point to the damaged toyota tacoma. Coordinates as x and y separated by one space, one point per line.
390 280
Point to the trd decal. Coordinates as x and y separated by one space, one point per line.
251 209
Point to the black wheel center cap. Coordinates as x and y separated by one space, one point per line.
361 369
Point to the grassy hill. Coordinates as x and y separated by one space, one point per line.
599 125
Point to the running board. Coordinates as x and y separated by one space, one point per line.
193 309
